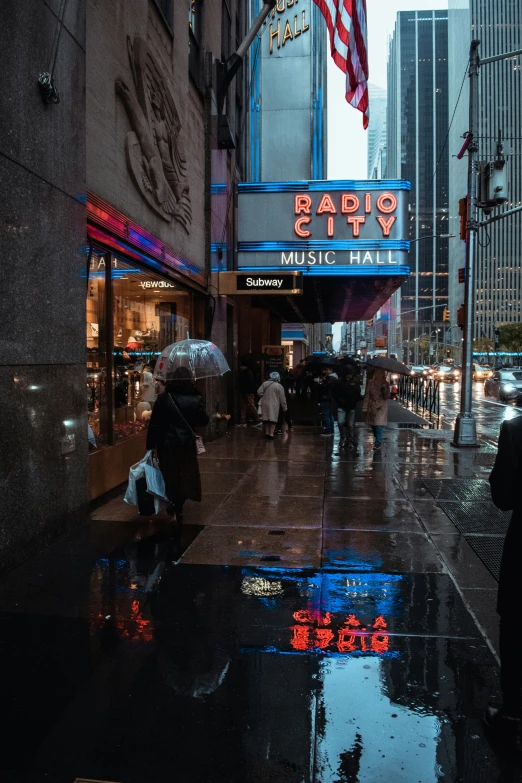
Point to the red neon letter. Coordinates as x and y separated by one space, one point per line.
330 226
326 205
302 232
356 223
302 205
368 203
386 224
349 203
381 203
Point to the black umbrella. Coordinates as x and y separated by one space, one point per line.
388 364
349 363
320 362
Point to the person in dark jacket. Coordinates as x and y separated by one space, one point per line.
247 390
176 415
506 482
346 393
324 392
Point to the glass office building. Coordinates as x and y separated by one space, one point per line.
417 123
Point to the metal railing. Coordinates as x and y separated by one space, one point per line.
420 393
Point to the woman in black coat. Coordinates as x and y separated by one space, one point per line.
176 415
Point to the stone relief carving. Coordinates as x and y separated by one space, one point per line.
154 147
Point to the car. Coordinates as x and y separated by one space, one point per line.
447 373
481 372
419 371
505 385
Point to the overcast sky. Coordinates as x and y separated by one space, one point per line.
347 141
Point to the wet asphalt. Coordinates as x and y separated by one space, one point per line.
321 620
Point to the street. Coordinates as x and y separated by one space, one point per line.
489 414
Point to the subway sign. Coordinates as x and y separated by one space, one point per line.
289 283
350 227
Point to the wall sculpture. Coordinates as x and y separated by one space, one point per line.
154 145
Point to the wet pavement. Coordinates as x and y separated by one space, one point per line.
323 620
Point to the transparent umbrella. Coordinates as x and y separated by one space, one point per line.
202 358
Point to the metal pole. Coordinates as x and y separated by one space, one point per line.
465 425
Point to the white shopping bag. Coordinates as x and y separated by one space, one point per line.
147 468
136 472
156 485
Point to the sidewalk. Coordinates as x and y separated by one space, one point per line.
320 626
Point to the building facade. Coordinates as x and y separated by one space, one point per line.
498 260
377 133
43 460
417 123
118 200
286 141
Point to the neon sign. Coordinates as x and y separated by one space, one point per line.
348 203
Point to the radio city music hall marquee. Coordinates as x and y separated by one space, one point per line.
351 226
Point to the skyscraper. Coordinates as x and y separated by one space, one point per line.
377 133
498 260
417 123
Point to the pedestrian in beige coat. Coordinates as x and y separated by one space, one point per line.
272 398
375 403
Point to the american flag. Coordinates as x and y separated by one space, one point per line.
346 21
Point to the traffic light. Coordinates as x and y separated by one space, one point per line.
445 314
369 323
461 316
463 214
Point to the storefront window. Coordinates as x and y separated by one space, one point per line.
149 313
146 313
98 415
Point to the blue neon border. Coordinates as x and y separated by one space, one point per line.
323 185
316 270
324 244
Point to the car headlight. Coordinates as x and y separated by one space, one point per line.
395 377
508 387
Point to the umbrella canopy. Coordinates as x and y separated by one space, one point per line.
320 362
202 358
349 363
388 364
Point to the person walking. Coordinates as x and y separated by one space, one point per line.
272 399
505 481
176 415
375 403
326 402
247 389
346 393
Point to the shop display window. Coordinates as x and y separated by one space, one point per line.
98 413
146 313
149 313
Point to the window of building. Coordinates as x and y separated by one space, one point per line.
165 8
125 335
226 31
97 383
195 28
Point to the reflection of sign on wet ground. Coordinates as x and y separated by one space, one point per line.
315 631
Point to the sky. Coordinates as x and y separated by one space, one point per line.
347 141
